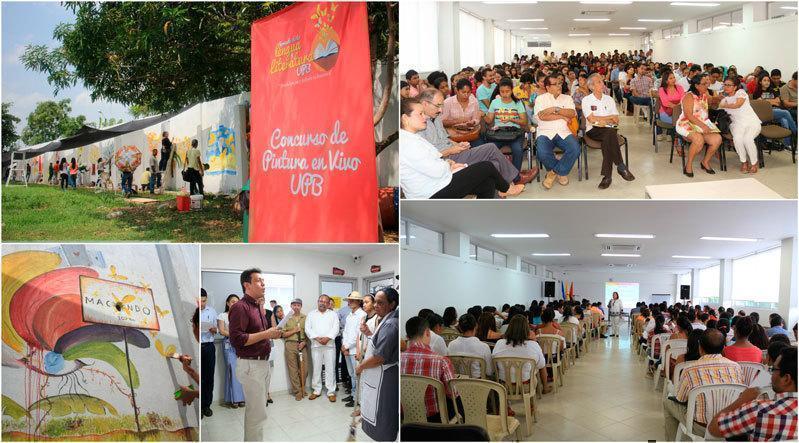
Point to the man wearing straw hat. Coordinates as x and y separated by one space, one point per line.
321 327
352 324
297 355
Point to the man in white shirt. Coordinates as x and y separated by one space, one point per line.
468 344
321 327
685 82
717 83
437 343
601 119
349 336
695 322
554 111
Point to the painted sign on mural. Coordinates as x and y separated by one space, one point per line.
115 303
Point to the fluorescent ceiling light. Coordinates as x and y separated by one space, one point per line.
701 4
624 235
534 29
579 35
612 34
691 256
512 3
730 239
605 2
725 23
520 235
657 20
538 254
621 255
633 28
592 19
793 8
525 20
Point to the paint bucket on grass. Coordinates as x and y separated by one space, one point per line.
183 203
196 202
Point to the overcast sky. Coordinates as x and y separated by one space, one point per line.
26 23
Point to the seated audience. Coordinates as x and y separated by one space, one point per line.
507 115
469 344
461 114
451 319
517 344
554 111
462 152
777 326
405 89
419 359
711 368
695 126
754 418
436 325
640 86
549 326
413 83
788 96
670 94
601 121
487 328
774 350
424 174
765 90
742 350
488 82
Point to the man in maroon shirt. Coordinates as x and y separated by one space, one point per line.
250 333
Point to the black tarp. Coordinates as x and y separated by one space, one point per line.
87 136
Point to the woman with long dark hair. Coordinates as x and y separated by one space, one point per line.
695 125
764 90
487 328
73 173
234 393
507 111
63 173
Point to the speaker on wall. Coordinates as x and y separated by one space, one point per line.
549 289
685 292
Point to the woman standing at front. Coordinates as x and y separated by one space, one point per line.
695 126
745 126
234 394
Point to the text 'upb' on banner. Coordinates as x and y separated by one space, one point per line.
312 164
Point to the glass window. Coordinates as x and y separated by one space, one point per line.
528 268
704 25
672 32
418 51
778 9
424 239
471 39
756 279
500 259
377 283
499 46
472 251
485 255
550 275
737 17
708 290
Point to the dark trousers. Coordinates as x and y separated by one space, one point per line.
195 181
127 182
611 153
64 181
481 178
157 180
207 361
342 375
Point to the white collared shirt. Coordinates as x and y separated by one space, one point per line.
529 349
474 347
598 107
551 128
352 325
319 324
437 344
422 170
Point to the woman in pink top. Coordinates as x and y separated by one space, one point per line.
461 110
670 96
742 350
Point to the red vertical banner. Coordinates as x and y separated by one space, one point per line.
312 158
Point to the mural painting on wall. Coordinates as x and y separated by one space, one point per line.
221 153
68 373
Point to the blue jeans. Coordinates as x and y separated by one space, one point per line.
351 364
783 117
127 182
517 149
151 185
665 118
546 155
640 101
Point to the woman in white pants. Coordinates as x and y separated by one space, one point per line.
614 308
745 126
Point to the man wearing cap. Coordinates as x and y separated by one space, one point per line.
352 324
250 337
296 343
321 327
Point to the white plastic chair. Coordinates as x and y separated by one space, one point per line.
672 348
466 364
669 388
751 371
413 389
550 344
661 338
515 387
474 395
717 397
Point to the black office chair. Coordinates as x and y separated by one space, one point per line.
442 432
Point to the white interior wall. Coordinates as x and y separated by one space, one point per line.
306 266
435 281
591 285
769 43
563 43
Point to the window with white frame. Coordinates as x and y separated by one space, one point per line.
472 40
705 24
499 46
720 21
781 9
674 31
550 275
756 280
421 238
528 268
486 255
418 51
500 259
708 289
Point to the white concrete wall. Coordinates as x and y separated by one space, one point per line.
591 285
563 43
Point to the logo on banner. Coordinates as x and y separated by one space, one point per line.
323 53
113 303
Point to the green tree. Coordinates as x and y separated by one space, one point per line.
10 121
160 56
51 120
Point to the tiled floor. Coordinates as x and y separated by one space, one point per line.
288 420
606 396
650 168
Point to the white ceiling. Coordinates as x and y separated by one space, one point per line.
559 16
677 227
339 249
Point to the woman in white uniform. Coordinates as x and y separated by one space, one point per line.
745 126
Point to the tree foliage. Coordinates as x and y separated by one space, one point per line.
10 121
51 120
160 56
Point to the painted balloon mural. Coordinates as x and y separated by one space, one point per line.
78 381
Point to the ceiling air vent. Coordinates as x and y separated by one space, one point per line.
597 14
621 265
630 249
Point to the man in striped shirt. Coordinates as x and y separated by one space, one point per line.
765 419
419 359
710 369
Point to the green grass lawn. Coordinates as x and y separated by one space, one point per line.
41 213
